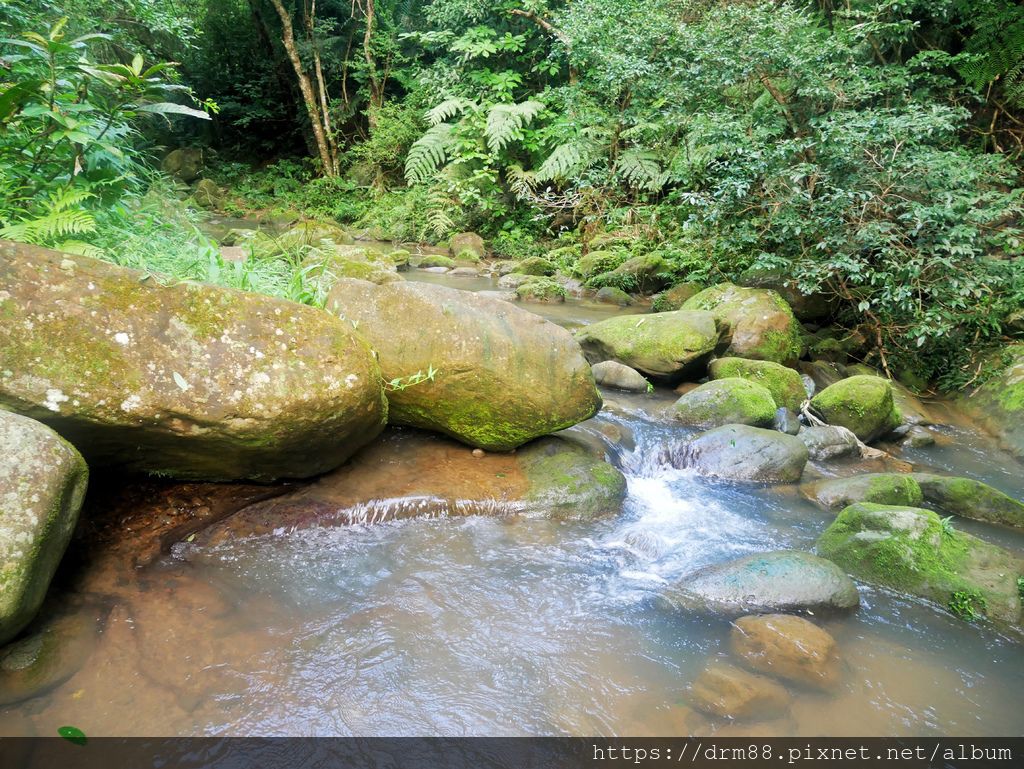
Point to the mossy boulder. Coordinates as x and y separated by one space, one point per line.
999 403
911 408
566 482
757 322
597 262
665 346
538 289
536 265
435 260
207 194
399 258
514 280
969 498
612 295
862 404
327 266
608 373
744 453
784 581
807 307
185 163
467 245
726 401
313 233
42 483
909 549
673 298
880 488
181 379
503 375
256 244
644 273
785 384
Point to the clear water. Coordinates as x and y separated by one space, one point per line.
490 626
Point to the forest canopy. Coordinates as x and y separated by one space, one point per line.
869 151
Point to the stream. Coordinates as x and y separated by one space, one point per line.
503 626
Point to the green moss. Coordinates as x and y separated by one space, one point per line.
541 289
726 401
536 265
863 404
436 260
467 255
597 262
569 484
785 384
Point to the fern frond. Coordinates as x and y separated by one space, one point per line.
50 226
564 161
80 248
438 220
428 153
448 109
520 181
505 121
642 169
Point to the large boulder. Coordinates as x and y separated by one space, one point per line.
186 164
781 581
862 404
673 298
999 403
726 401
881 488
608 373
744 453
664 347
826 442
315 234
969 498
758 323
181 379
784 383
501 375
914 551
411 473
806 307
788 647
207 194
648 272
42 484
467 246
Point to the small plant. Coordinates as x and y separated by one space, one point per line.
968 605
947 527
1020 587
403 383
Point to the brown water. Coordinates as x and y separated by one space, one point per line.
486 625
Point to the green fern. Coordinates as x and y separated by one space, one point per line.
505 121
448 109
520 181
996 52
642 169
438 220
62 217
428 153
564 161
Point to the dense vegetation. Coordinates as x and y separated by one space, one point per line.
867 149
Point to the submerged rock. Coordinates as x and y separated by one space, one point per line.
758 323
608 373
726 401
881 488
826 442
913 551
969 498
781 581
501 375
788 647
185 380
744 453
664 346
726 691
42 483
862 404
785 384
410 473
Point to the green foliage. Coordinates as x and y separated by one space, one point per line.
968 605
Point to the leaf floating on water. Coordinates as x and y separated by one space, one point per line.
73 734
180 380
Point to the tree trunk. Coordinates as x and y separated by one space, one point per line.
332 146
306 87
376 86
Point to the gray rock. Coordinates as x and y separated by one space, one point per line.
610 373
826 442
786 421
726 401
744 453
881 488
787 581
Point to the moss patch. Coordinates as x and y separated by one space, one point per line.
785 384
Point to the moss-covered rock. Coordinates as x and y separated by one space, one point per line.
999 403
42 484
665 346
806 307
744 453
536 265
612 295
726 401
399 258
782 581
911 550
644 273
863 404
567 483
327 267
207 194
911 408
758 323
539 289
185 163
181 379
514 280
467 244
597 262
674 298
880 488
785 384
503 375
435 260
969 498
608 373
313 233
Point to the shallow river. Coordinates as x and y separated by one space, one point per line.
491 626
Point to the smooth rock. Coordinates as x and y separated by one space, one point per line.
787 647
467 245
744 453
726 691
825 442
786 421
863 404
608 373
726 401
881 488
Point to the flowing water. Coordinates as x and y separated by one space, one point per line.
501 625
